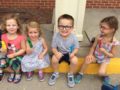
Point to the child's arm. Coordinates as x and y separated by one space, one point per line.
29 50
93 46
74 52
90 57
109 54
57 53
45 48
20 52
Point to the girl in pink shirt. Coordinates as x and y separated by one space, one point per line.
15 43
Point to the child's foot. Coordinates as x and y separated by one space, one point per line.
78 78
17 78
71 82
11 77
29 75
1 76
106 79
41 76
53 79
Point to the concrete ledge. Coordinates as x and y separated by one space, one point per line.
113 67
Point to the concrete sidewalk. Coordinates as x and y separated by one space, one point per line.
89 82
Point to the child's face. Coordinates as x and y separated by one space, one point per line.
33 33
11 26
65 27
105 29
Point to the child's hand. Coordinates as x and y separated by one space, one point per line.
3 62
102 50
29 51
41 56
11 55
58 55
72 55
90 58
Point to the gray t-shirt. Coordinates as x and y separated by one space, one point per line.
65 45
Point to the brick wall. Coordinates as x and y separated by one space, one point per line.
103 4
50 4
34 4
39 10
42 10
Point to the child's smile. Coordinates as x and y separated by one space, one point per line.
11 26
65 27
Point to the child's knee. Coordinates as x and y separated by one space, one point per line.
54 60
74 60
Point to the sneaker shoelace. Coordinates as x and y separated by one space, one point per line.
70 78
53 77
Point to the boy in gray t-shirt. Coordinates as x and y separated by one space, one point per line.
64 47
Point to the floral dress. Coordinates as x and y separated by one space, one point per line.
32 62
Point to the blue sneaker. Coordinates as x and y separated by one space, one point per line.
78 78
106 79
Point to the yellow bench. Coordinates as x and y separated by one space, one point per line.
113 67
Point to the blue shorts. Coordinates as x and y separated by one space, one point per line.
65 57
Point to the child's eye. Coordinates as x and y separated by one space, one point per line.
30 32
35 32
7 25
14 25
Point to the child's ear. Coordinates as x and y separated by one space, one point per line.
113 30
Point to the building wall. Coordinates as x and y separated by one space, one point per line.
50 4
39 10
103 4
42 10
32 4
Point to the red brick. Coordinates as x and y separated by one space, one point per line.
50 4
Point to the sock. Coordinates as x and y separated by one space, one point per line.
81 73
56 73
40 71
70 74
1 71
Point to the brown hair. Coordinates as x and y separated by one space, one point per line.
111 21
11 16
66 16
33 24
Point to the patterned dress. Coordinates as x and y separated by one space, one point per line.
32 62
100 57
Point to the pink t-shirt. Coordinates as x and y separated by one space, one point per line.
13 45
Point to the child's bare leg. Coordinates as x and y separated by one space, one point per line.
79 75
1 74
12 74
9 70
73 64
18 75
55 75
102 69
85 64
102 72
55 63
